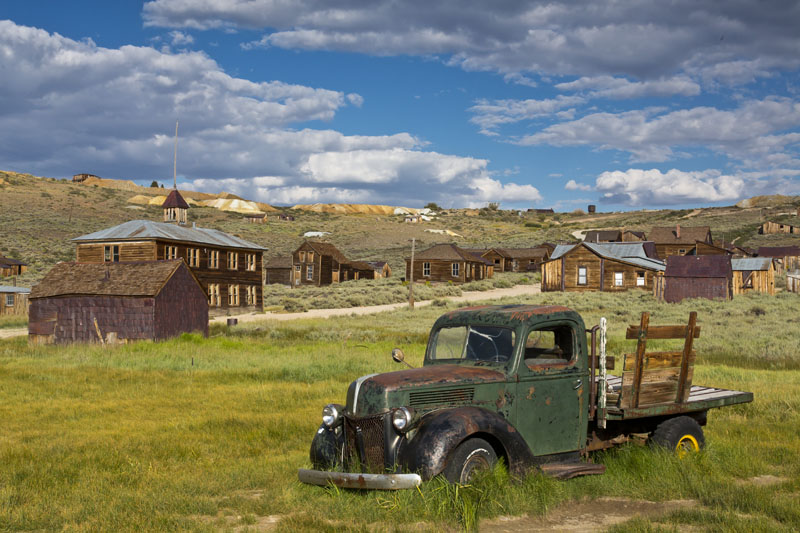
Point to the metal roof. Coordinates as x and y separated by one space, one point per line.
19 290
628 252
751 263
698 266
147 229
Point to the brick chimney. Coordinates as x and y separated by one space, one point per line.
677 231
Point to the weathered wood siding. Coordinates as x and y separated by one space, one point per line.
776 227
181 307
128 251
666 250
759 281
703 248
442 270
551 275
677 289
793 282
562 274
19 307
281 276
496 259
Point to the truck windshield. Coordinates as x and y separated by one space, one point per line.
490 344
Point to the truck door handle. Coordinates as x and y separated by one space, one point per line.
577 385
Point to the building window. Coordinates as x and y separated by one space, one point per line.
111 253
172 252
455 267
748 280
682 251
640 281
618 280
302 257
194 257
233 261
250 262
426 269
213 295
233 295
582 275
310 257
9 300
310 272
213 259
251 295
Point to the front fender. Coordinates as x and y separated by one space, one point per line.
326 448
440 432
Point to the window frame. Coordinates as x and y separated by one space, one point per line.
233 295
233 260
426 269
10 299
641 276
619 279
111 253
585 275
170 252
309 272
250 262
455 270
213 259
193 255
214 299
302 257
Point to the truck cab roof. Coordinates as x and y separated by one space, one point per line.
508 315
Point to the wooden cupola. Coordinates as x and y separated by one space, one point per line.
175 208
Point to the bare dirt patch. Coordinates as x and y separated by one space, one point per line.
594 515
763 480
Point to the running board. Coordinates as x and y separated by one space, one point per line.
571 470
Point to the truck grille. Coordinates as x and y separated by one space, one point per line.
442 397
371 430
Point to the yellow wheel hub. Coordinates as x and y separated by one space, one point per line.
687 444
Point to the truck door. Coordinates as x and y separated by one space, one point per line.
553 389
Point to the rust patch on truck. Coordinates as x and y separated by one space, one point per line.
436 375
530 393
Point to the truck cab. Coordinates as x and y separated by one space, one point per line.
515 382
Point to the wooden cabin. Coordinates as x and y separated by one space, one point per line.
704 248
116 302
255 218
605 267
449 263
786 258
698 276
632 236
771 227
11 267
278 270
381 268
753 274
319 263
14 300
603 235
358 270
678 240
229 268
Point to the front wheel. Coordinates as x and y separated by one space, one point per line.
471 456
681 433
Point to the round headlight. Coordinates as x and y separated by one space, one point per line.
401 418
330 415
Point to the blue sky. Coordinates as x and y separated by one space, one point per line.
624 104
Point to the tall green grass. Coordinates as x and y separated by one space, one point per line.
206 434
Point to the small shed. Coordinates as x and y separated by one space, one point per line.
786 258
753 274
381 268
14 300
698 276
777 227
116 302
793 281
278 270
11 267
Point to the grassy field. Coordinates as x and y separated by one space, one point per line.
207 434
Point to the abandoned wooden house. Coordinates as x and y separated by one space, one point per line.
320 263
255 218
448 262
229 268
11 267
278 270
605 267
704 248
381 268
517 259
793 281
770 227
14 300
786 258
117 302
753 274
678 240
698 276
603 235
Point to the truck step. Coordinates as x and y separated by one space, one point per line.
571 470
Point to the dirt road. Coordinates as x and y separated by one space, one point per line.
467 296
12 332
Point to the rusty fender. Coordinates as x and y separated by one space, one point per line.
440 432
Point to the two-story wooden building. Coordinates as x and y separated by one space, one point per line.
678 240
605 267
229 268
448 262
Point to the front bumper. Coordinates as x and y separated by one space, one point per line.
349 480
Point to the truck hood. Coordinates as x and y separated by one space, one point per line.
372 394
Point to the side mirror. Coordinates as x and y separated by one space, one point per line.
399 357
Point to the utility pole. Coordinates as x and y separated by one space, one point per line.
411 276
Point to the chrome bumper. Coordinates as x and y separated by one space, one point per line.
350 480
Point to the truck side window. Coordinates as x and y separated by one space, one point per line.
549 346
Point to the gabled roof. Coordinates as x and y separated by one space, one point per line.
698 266
279 262
778 251
448 252
526 253
7 261
324 248
634 253
174 199
136 278
139 230
751 263
669 235
377 265
360 265
603 235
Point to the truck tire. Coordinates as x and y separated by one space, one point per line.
469 457
681 434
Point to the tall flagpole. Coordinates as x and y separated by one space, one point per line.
175 160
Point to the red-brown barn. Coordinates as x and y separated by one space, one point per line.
698 276
117 302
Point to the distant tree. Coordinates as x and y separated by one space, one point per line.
494 206
162 185
154 184
433 206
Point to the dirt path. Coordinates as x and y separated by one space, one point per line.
467 296
12 332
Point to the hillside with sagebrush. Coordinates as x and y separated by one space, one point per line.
39 216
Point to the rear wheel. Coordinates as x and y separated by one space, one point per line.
470 457
681 434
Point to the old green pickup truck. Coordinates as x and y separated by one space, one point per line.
527 384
